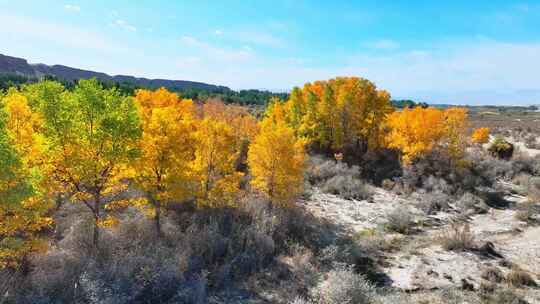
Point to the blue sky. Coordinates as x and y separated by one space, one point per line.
462 52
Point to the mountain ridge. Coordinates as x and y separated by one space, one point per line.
20 66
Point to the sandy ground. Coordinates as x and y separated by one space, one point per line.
421 263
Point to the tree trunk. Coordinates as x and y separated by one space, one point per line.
97 202
157 219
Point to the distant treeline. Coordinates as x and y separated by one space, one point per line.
242 97
407 103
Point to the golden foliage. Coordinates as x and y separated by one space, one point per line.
336 114
276 159
213 168
23 199
415 132
480 135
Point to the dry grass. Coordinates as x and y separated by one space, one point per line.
519 278
458 237
401 221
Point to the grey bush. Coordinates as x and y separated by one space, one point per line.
472 203
343 286
432 203
347 187
457 237
401 221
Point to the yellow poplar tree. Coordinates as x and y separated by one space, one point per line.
418 131
480 135
415 132
242 123
92 135
456 123
23 201
214 165
166 149
341 113
276 161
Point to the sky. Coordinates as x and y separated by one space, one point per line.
459 52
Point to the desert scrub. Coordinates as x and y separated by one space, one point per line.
519 278
533 191
458 237
501 148
432 203
401 221
347 187
497 296
527 211
320 169
337 178
492 274
372 242
343 286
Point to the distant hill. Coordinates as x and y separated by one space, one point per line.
20 66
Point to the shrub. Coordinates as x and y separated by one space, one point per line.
388 184
320 169
400 221
480 135
504 296
526 211
492 274
471 202
371 242
347 187
533 191
457 238
432 203
343 286
300 265
299 300
337 178
519 278
501 148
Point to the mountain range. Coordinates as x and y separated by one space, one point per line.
20 66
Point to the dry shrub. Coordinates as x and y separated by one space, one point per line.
337 178
388 184
492 274
321 169
343 285
372 242
347 187
519 278
401 221
432 203
458 237
301 266
472 203
527 211
201 252
444 296
533 191
501 296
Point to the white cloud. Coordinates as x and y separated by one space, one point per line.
218 32
72 8
214 53
40 32
259 38
384 44
123 24
460 72
523 7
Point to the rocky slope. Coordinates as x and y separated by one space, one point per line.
20 66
